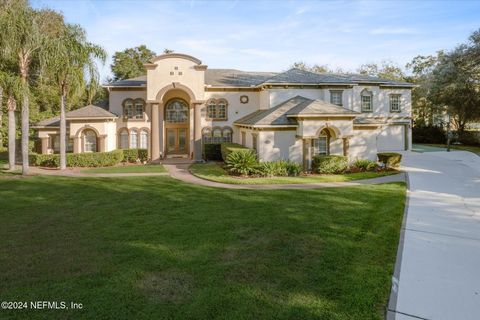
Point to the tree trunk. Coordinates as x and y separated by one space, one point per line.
63 131
25 133
11 104
1 117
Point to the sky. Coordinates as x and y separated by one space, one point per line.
272 35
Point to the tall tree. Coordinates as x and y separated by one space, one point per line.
72 60
385 69
10 83
129 62
22 38
317 68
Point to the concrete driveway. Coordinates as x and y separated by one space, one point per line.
438 266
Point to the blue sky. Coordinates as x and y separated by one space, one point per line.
271 35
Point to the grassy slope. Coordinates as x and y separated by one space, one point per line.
458 147
213 172
154 168
151 248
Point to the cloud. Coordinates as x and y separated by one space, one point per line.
395 31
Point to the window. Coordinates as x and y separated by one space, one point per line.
133 139
90 141
227 134
123 141
217 109
217 135
366 101
143 139
207 135
255 142
244 139
395 103
133 109
177 111
56 144
321 144
336 97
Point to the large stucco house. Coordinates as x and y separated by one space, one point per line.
181 104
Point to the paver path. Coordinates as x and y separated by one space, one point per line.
181 172
438 266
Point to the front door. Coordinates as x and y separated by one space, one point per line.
177 142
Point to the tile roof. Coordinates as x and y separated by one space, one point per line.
237 78
89 111
283 113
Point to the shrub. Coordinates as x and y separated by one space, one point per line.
470 138
212 151
228 147
390 159
242 162
365 164
132 155
428 134
93 159
293 168
279 168
329 164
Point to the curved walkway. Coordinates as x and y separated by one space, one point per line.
181 172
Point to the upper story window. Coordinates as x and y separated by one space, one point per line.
395 103
176 111
134 109
367 101
217 109
336 97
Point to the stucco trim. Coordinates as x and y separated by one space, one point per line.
175 85
86 127
176 55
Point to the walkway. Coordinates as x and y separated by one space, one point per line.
181 172
438 265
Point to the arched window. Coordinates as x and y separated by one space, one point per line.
227 134
367 101
133 109
207 135
321 145
217 109
176 111
217 135
143 139
123 140
89 141
133 139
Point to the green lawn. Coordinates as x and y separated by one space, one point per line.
153 168
214 172
157 248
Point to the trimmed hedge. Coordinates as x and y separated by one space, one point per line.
390 159
365 165
428 134
93 159
212 151
228 147
329 164
132 155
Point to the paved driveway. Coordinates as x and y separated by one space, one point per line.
439 268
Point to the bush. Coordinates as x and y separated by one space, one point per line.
242 162
93 159
132 155
390 159
329 164
279 168
228 147
212 151
428 134
469 138
365 165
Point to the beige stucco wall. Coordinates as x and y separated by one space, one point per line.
310 128
279 145
160 77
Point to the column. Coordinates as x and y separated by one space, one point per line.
192 130
155 133
102 143
161 129
76 145
198 133
345 146
44 144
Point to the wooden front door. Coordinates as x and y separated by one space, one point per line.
177 140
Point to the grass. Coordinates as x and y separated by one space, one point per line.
473 149
157 248
153 168
214 172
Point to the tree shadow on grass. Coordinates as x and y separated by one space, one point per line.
325 253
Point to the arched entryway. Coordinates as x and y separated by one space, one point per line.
177 123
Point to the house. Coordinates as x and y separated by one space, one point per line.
181 104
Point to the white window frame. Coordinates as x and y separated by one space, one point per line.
336 95
366 106
395 103
133 139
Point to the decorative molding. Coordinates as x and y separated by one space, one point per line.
244 99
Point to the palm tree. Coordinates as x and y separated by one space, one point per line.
23 39
10 83
72 60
